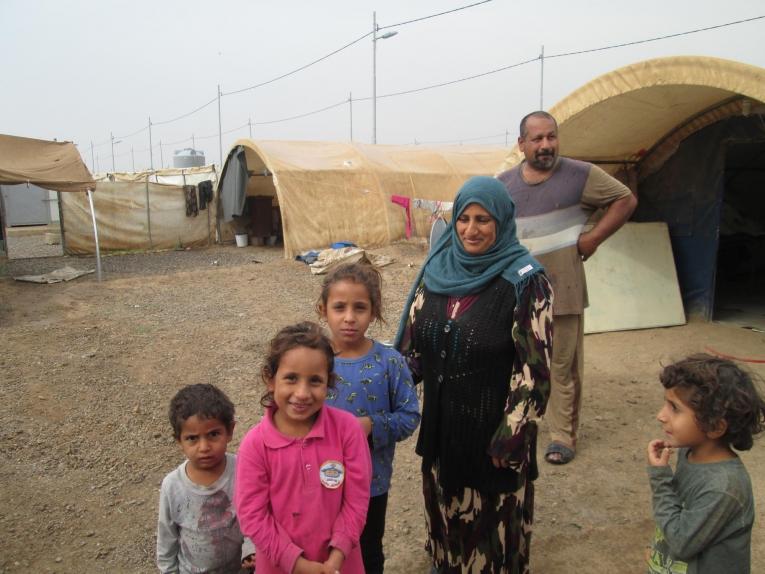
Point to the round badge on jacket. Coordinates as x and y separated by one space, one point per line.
332 473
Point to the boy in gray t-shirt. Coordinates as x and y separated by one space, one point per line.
704 511
197 529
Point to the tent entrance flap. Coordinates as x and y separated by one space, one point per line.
233 184
740 273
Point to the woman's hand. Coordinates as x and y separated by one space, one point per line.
658 453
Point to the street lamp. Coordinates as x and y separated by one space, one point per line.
385 36
113 142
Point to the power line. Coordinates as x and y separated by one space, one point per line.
135 133
301 115
232 130
432 15
688 32
203 106
678 34
465 79
423 88
348 45
296 70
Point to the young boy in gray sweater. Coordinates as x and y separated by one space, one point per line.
704 511
198 530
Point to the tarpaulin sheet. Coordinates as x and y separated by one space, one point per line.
123 219
170 176
52 165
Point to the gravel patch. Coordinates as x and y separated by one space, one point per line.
145 263
31 246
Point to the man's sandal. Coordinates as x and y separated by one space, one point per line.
558 453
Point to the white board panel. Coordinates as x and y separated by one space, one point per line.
632 281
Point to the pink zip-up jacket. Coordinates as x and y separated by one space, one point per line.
301 496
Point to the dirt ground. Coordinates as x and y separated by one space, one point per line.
88 369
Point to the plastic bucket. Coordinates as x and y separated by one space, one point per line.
241 239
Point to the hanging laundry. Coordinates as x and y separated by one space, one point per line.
192 208
404 202
205 193
434 206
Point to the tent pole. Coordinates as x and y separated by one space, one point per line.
3 237
61 223
95 235
148 213
218 236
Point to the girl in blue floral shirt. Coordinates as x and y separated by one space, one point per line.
373 383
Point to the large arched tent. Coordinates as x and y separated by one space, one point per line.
328 191
671 126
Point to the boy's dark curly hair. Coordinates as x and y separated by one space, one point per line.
305 334
203 400
717 389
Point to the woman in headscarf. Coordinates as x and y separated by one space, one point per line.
477 331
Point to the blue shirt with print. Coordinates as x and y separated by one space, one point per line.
378 385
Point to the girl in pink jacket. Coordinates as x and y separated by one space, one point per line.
303 473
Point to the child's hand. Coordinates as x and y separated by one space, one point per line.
334 562
658 453
303 566
366 425
248 562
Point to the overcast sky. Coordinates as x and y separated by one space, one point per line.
81 70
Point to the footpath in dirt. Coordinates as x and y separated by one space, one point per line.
88 370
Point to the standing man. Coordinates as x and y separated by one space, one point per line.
554 196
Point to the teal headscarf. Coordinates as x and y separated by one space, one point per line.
450 270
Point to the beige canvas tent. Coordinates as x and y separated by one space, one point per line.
637 115
327 192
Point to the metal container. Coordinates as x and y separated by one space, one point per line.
188 157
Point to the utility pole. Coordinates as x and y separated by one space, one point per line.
220 131
249 124
151 152
92 157
132 155
161 157
350 109
111 135
374 77
542 78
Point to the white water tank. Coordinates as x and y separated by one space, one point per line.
188 157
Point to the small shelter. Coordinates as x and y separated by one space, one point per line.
148 210
316 193
687 134
48 164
